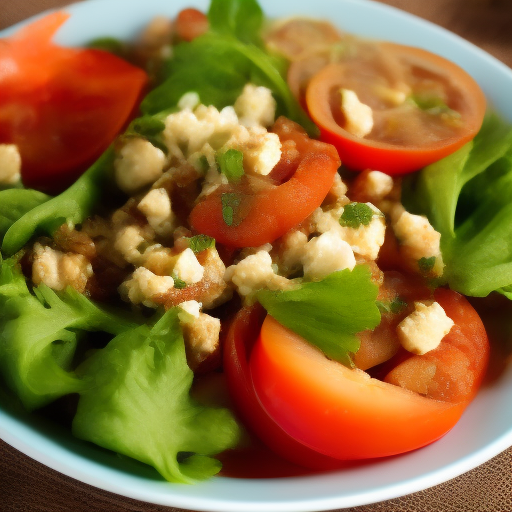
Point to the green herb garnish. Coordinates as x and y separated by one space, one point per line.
179 283
231 164
201 242
426 264
328 313
230 203
355 215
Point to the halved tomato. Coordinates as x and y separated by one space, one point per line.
424 107
61 106
345 414
260 211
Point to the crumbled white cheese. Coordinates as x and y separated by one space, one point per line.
190 311
186 132
57 270
201 338
423 330
255 272
143 285
137 165
189 101
292 249
325 254
190 135
376 184
262 151
364 240
418 239
367 240
255 106
338 191
393 96
156 206
128 241
10 164
158 259
187 268
358 116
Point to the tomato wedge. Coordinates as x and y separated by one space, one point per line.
424 108
346 414
240 339
264 211
62 107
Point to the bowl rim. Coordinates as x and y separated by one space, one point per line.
22 435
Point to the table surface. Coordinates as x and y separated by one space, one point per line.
27 486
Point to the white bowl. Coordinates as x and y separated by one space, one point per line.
485 428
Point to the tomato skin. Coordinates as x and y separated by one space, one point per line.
191 23
272 211
238 344
344 413
363 153
62 107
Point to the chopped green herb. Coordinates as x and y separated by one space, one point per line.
328 313
200 243
178 283
231 164
355 215
230 202
426 264
395 306
150 128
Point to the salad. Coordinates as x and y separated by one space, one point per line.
206 235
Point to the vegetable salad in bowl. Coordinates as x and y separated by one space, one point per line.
236 236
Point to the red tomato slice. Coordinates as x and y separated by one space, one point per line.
264 211
404 137
240 339
62 107
345 414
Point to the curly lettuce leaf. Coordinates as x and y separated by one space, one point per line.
229 56
73 205
328 313
16 202
138 404
39 333
466 197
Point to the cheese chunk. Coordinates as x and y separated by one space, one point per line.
358 116
423 330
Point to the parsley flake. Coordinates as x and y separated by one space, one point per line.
230 202
355 215
231 164
200 243
426 264
178 283
395 306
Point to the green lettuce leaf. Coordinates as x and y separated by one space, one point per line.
138 404
73 205
16 202
466 197
39 333
328 313
230 55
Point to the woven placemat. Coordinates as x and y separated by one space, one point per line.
28 486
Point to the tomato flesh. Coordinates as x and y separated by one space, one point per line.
240 339
267 211
404 137
62 115
346 414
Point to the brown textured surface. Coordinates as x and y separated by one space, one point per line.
27 486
